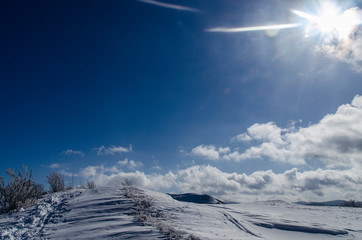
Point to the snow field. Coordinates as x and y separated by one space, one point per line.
270 220
131 213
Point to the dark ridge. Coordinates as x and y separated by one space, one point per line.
296 228
196 198
334 203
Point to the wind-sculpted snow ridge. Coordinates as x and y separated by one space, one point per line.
102 213
145 211
130 213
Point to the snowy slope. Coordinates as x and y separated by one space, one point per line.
106 213
101 213
261 220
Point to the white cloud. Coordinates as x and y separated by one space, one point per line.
157 168
71 152
54 166
66 173
113 150
267 131
336 140
326 184
357 101
224 150
115 176
261 185
266 149
89 171
244 137
209 151
130 163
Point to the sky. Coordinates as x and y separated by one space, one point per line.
244 100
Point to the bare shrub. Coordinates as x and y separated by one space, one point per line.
91 184
20 191
144 211
56 182
352 203
127 182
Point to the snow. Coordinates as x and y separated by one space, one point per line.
111 213
77 214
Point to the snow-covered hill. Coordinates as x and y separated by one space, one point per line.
129 213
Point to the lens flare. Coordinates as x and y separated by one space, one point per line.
255 28
331 20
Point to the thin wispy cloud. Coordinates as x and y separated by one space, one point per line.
54 166
67 173
70 152
169 5
255 28
113 150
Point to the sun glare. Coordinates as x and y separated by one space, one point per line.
330 20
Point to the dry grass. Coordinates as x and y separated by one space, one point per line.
145 212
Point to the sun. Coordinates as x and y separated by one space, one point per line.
330 20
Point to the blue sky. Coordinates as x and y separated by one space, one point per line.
144 90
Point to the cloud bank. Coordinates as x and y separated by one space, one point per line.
336 141
261 185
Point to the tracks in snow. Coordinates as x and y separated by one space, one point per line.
238 224
31 223
266 222
102 213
